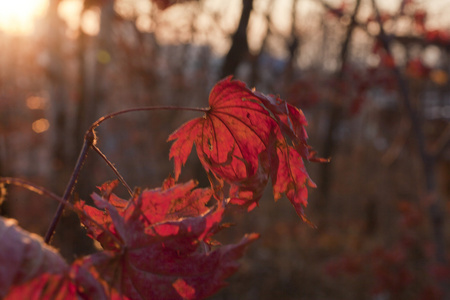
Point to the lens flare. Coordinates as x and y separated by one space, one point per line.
17 17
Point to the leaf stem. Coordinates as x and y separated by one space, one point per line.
148 108
110 164
138 109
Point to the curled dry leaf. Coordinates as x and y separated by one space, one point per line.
24 256
30 269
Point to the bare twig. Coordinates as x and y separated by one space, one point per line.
30 186
110 164
44 192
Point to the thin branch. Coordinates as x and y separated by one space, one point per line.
345 46
30 186
44 192
89 140
110 164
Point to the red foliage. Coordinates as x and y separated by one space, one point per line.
163 4
75 283
244 138
51 286
420 17
416 69
304 93
338 11
438 36
390 268
159 244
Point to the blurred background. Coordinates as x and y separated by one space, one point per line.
372 77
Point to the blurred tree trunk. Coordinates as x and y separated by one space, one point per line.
69 237
239 44
293 48
254 77
57 93
335 116
4 205
83 99
104 56
94 54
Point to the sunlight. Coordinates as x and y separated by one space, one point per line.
17 17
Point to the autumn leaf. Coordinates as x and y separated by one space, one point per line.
160 272
158 244
171 202
24 256
46 286
244 138
74 283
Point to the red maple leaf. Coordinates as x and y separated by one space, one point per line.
244 138
171 202
157 246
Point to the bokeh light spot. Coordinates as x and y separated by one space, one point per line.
40 125
36 102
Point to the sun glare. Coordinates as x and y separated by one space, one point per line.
17 16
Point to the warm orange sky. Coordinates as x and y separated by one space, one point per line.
17 16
